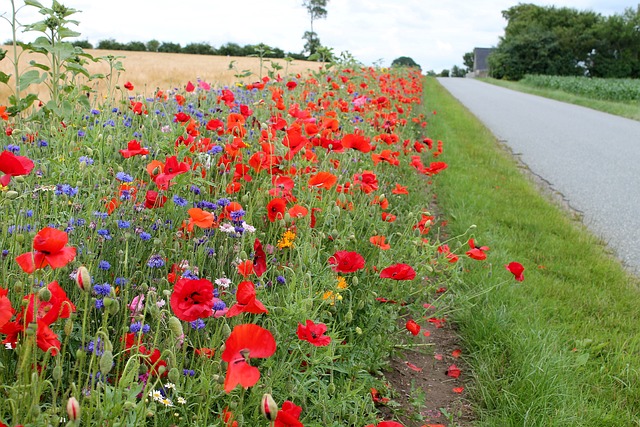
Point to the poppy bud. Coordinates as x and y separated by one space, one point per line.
73 408
175 327
44 294
68 327
331 388
174 375
268 407
106 362
349 316
11 195
31 329
56 373
83 278
226 331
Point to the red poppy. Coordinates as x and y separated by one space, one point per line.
379 241
171 169
367 181
398 272
201 218
13 165
324 180
313 333
377 397
259 258
49 249
245 268
412 327
346 262
276 209
6 311
516 269
288 416
46 339
133 149
192 299
128 86
190 87
153 200
244 342
356 142
3 113
453 371
400 189
476 252
246 301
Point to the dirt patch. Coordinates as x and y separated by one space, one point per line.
424 390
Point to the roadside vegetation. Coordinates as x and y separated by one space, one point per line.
561 348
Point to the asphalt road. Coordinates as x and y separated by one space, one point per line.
591 158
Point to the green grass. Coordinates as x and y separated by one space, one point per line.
561 348
630 110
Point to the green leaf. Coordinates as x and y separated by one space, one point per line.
77 69
38 65
33 3
3 53
29 78
4 78
65 33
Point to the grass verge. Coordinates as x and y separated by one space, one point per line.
623 109
561 348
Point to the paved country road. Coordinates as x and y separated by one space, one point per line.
591 158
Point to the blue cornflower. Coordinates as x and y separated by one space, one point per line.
29 213
124 177
81 133
194 189
99 303
188 274
206 205
125 195
197 324
124 224
281 280
102 215
179 201
219 305
15 149
120 281
86 160
145 236
110 122
43 143
5 253
223 202
216 149
237 215
104 233
95 112
188 372
102 290
96 347
104 265
155 261
139 327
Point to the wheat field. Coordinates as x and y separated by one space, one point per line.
149 71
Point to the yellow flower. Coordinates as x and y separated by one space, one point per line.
342 283
287 240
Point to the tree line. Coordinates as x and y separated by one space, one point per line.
202 48
565 41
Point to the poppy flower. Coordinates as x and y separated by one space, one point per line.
346 262
276 209
453 371
259 258
356 142
201 218
516 269
244 342
6 311
377 397
192 299
171 169
313 333
49 250
59 306
246 301
324 180
379 241
412 327
3 113
477 253
128 86
46 339
289 415
245 269
12 165
153 200
398 272
133 149
400 189
367 181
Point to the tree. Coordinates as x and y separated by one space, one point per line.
469 60
136 46
84 44
110 44
168 47
444 73
153 45
317 9
199 49
404 61
457 71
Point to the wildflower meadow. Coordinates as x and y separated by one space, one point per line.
219 256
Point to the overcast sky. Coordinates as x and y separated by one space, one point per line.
434 33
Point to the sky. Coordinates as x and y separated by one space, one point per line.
435 34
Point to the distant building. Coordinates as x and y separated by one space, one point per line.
480 63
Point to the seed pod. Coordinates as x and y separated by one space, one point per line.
44 294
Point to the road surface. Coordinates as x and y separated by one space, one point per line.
591 158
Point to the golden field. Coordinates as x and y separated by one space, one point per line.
149 71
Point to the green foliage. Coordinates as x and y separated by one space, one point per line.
404 61
169 47
564 41
444 73
84 44
595 88
457 71
468 60
110 44
135 46
153 45
202 48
